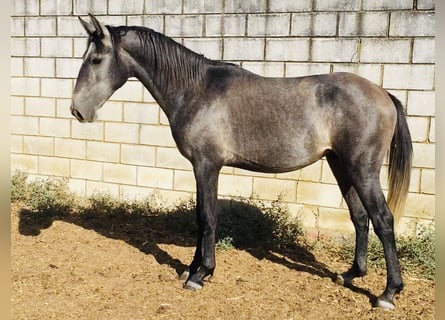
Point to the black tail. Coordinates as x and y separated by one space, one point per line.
400 161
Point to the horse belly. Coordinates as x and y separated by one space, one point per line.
278 154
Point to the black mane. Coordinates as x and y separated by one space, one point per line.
170 61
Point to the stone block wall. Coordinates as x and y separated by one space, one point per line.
130 151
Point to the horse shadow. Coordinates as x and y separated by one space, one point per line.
244 226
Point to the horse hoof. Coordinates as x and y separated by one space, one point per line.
340 280
190 285
384 304
184 276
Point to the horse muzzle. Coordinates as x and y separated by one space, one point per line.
79 116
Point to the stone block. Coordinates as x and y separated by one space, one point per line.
337 5
419 128
24 7
387 4
426 4
421 103
305 69
203 6
210 48
84 169
424 51
40 107
412 24
130 91
25 47
50 166
266 69
234 25
69 148
142 113
287 49
119 173
424 155
24 125
17 27
157 136
155 178
83 7
36 145
16 143
230 185
184 26
155 22
122 132
110 111
39 67
40 26
334 50
70 26
326 195
163 6
184 181
57 47
17 105
367 24
102 151
63 109
401 76
24 162
335 219
385 51
57 88
268 25
171 158
54 127
89 131
138 155
246 6
68 68
370 71
290 6
17 67
25 86
428 182
314 24
125 7
55 7
272 189
420 206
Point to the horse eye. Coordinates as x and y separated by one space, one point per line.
95 61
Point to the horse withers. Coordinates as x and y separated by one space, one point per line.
222 115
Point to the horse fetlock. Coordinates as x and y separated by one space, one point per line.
384 304
185 275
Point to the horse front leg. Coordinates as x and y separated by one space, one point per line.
203 263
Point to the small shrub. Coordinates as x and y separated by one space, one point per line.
46 195
415 253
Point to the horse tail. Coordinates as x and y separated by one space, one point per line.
400 161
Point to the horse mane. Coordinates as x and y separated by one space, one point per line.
171 62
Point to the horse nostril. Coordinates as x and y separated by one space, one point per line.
77 115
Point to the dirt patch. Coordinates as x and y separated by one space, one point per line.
78 269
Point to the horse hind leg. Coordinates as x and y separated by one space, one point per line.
359 218
366 180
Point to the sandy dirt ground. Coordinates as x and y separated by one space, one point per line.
88 268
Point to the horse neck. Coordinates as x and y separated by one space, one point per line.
167 69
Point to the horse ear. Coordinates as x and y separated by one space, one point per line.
87 26
100 29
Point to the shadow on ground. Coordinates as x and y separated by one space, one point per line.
245 226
